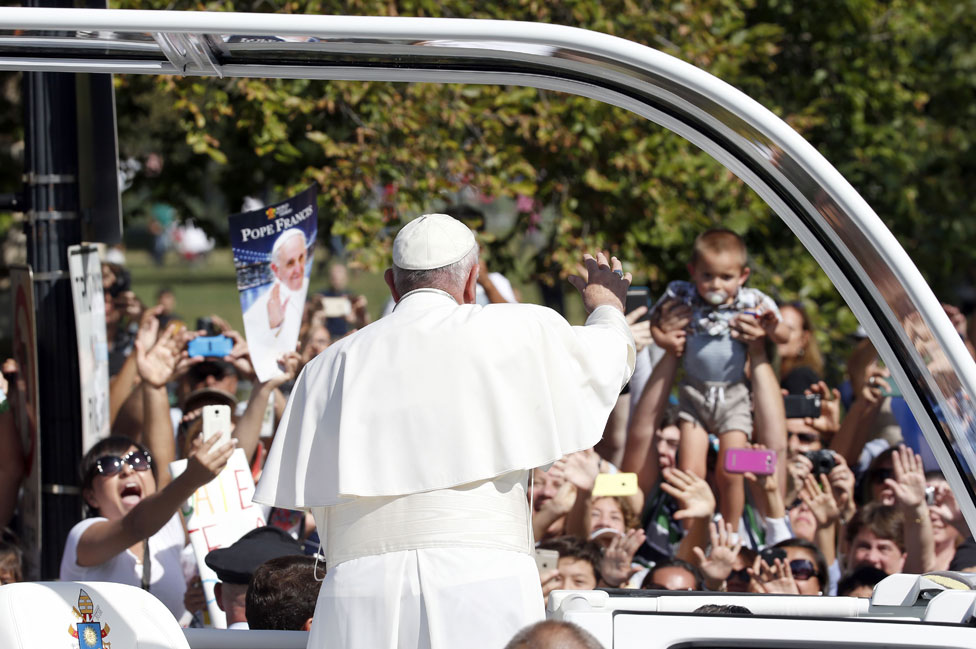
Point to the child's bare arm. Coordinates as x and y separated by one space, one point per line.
776 329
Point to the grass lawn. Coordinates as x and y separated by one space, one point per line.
209 286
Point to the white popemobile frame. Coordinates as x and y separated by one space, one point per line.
873 273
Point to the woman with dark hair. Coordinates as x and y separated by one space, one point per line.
802 572
131 519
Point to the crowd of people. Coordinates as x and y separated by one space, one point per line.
848 493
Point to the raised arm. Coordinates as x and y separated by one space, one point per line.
640 456
770 413
909 487
158 361
107 538
248 428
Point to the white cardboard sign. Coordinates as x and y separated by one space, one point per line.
218 514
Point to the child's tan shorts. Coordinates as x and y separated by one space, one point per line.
716 407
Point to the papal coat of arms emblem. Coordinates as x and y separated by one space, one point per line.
89 631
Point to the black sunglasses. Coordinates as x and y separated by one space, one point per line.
880 475
803 569
109 465
741 576
806 438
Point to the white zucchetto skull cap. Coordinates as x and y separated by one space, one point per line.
432 241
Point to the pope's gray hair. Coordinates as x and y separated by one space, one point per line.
448 278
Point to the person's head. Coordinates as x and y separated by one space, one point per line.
288 258
807 564
191 423
801 437
876 537
282 594
11 562
722 609
881 469
613 512
800 349
673 574
718 265
579 562
543 487
802 521
237 563
860 582
553 634
666 439
166 299
738 580
315 341
116 474
965 557
435 251
211 373
338 276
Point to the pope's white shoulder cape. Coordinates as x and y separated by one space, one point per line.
437 395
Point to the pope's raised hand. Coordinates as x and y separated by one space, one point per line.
601 281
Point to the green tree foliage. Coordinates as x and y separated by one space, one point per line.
883 89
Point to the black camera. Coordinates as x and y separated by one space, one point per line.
207 324
122 283
823 461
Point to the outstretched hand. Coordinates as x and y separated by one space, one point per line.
206 459
601 281
617 564
640 330
776 578
580 468
668 326
724 548
909 478
692 493
166 358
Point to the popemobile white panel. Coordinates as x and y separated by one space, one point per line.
85 615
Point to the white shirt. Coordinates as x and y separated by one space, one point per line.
266 344
166 582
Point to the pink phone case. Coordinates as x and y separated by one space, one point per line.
758 461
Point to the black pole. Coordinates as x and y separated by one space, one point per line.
53 224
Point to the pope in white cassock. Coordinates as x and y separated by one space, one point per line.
272 322
411 442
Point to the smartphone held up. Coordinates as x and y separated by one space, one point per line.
216 423
749 460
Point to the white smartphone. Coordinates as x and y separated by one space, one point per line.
216 422
546 560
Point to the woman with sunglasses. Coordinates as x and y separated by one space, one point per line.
131 516
802 572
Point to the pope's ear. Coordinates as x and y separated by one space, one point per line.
471 285
308 625
388 276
